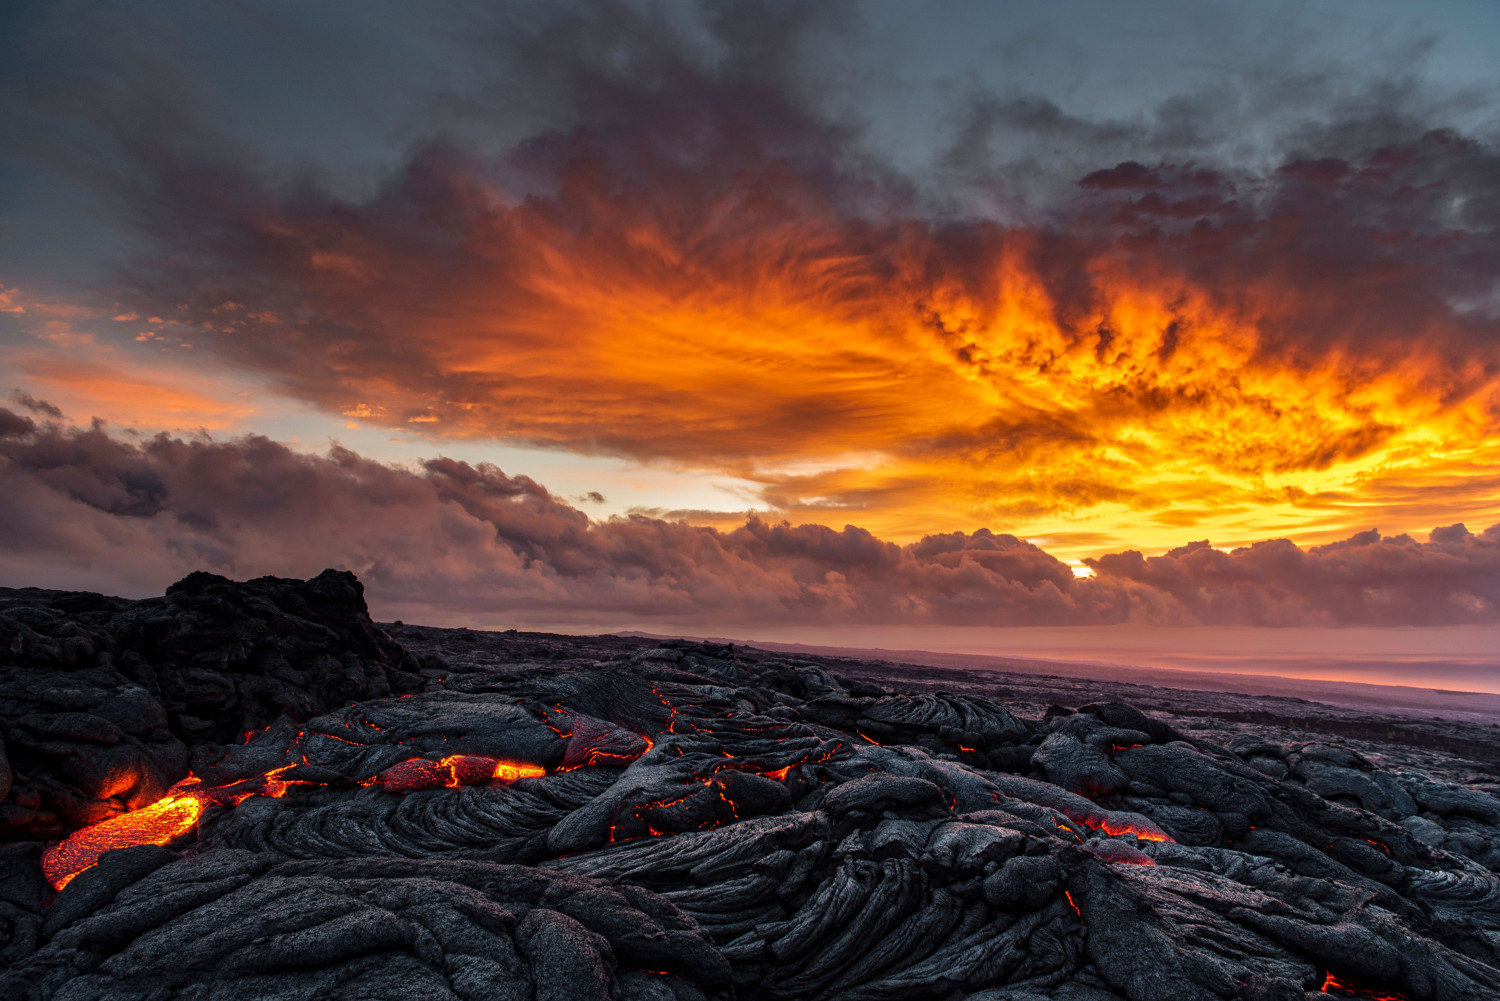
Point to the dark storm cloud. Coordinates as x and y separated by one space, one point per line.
13 425
451 540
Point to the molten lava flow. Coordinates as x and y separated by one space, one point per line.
671 709
1332 983
178 811
169 817
509 771
1115 827
594 741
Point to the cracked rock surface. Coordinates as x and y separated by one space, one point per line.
456 814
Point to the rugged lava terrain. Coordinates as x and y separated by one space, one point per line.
306 805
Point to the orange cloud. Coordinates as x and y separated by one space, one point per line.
131 397
708 285
89 376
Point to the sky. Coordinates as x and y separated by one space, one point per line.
760 314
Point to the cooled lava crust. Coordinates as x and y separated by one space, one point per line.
673 821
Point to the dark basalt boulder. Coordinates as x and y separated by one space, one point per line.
676 820
227 657
883 791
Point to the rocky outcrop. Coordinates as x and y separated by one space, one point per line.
100 698
678 821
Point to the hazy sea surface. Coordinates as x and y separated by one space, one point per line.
1453 672
1461 658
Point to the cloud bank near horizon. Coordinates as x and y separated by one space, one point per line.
449 541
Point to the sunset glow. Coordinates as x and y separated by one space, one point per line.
873 374
909 377
670 334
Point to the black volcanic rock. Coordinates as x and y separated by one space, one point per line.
236 924
626 819
226 657
100 697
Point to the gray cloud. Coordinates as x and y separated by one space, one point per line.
451 541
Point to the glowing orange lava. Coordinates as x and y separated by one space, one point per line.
1113 828
178 811
509 771
1115 825
1332 983
169 817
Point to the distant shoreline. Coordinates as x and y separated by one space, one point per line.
1406 700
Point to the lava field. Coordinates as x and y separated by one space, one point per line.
250 790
